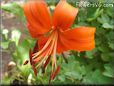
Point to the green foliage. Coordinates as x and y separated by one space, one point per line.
109 72
15 9
91 67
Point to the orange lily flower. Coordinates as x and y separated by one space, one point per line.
54 33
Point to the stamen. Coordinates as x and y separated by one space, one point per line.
39 57
49 51
46 62
46 56
55 72
45 46
53 63
54 53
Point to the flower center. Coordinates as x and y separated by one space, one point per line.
49 49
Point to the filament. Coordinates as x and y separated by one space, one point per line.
41 56
45 46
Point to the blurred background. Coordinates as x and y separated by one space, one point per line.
92 67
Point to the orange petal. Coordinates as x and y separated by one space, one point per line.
79 39
64 15
42 40
38 17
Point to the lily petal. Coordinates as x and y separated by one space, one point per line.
42 40
38 18
64 15
79 39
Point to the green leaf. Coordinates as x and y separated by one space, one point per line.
73 75
25 70
90 54
73 70
97 77
23 51
107 56
106 25
109 11
6 80
110 36
4 45
61 78
81 15
15 9
97 13
103 19
109 70
111 45
103 48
